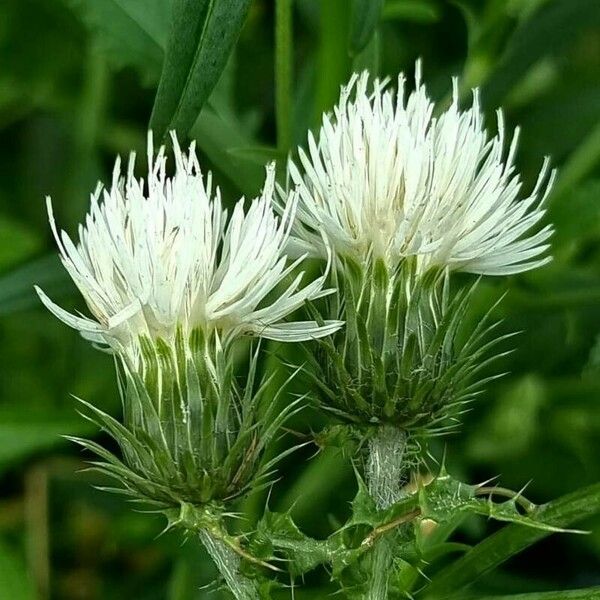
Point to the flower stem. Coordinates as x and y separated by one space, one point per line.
384 471
385 466
228 563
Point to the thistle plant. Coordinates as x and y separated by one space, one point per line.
405 198
175 286
391 197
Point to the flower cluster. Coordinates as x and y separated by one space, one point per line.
161 255
385 177
393 199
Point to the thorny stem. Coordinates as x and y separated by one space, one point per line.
225 550
384 472
229 562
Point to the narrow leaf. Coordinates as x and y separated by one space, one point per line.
418 11
256 155
215 136
202 35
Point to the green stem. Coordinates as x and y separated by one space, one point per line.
226 551
283 74
379 582
384 471
229 563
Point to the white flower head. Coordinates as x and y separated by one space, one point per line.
159 256
385 177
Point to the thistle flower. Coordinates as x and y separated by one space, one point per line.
386 177
159 255
404 198
173 284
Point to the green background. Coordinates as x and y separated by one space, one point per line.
77 85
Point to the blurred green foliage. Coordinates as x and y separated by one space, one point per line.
77 85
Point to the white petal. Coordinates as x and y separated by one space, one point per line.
298 331
384 177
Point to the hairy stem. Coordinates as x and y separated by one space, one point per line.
384 471
385 466
228 563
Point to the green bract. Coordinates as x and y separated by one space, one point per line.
404 358
192 431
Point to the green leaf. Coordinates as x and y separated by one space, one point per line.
131 32
445 497
15 582
18 242
552 28
136 37
278 531
511 540
369 58
23 433
216 135
202 35
16 287
364 19
257 155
